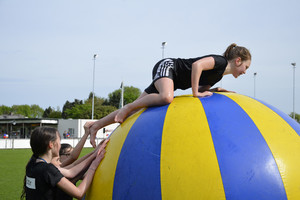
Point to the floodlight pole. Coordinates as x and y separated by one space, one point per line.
255 83
93 101
294 67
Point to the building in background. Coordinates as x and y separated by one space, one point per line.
15 131
73 128
21 128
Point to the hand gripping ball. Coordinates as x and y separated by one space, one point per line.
226 146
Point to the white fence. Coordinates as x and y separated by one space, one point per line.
24 143
16 143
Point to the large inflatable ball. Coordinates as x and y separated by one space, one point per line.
226 146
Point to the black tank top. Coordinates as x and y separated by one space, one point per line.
183 72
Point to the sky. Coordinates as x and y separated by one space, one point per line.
47 47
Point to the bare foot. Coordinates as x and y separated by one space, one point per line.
122 114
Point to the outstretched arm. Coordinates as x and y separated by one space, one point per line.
78 192
76 162
76 151
76 169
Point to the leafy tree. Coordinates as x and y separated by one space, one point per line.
51 113
97 100
297 116
5 110
70 105
47 112
36 111
56 114
21 109
130 94
102 111
90 95
79 111
84 111
33 111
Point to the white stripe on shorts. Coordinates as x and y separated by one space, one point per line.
164 67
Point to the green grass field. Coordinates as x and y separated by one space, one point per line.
12 171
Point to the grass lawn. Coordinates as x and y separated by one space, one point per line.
12 171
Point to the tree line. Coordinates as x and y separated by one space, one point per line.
82 109
78 109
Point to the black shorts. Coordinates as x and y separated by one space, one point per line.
164 68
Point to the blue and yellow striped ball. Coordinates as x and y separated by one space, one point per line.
227 146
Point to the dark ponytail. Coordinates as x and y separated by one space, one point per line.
39 141
233 51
